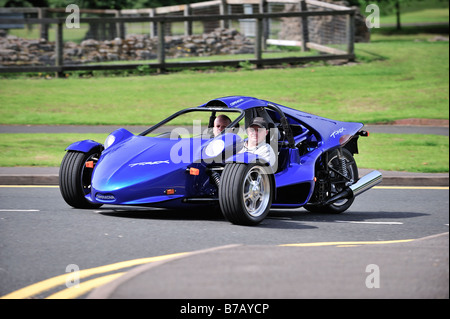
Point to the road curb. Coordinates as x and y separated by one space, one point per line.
44 180
415 181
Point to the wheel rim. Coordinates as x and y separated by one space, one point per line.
256 191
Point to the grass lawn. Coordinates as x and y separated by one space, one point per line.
404 152
424 16
38 149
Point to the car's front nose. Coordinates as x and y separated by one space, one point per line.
138 171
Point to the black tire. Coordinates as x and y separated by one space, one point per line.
245 193
344 204
75 179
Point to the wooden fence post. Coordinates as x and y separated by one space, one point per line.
120 26
305 32
224 24
187 24
42 12
153 30
161 46
59 48
258 42
265 28
351 34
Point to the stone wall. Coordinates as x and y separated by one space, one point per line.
17 51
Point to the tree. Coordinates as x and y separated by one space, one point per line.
23 3
93 4
114 4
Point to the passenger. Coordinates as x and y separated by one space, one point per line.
256 142
220 123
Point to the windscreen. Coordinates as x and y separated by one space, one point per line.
204 123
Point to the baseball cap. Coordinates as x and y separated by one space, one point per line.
259 121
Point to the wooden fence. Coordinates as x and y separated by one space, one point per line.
160 21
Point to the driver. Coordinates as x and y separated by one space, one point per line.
256 142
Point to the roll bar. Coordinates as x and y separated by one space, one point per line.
284 123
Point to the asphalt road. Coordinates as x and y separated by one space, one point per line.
40 236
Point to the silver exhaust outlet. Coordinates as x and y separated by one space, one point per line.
366 182
363 184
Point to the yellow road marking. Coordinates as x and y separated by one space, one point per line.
85 287
50 283
342 243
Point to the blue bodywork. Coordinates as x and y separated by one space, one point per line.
140 169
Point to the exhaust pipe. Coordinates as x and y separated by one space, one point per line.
366 182
363 184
